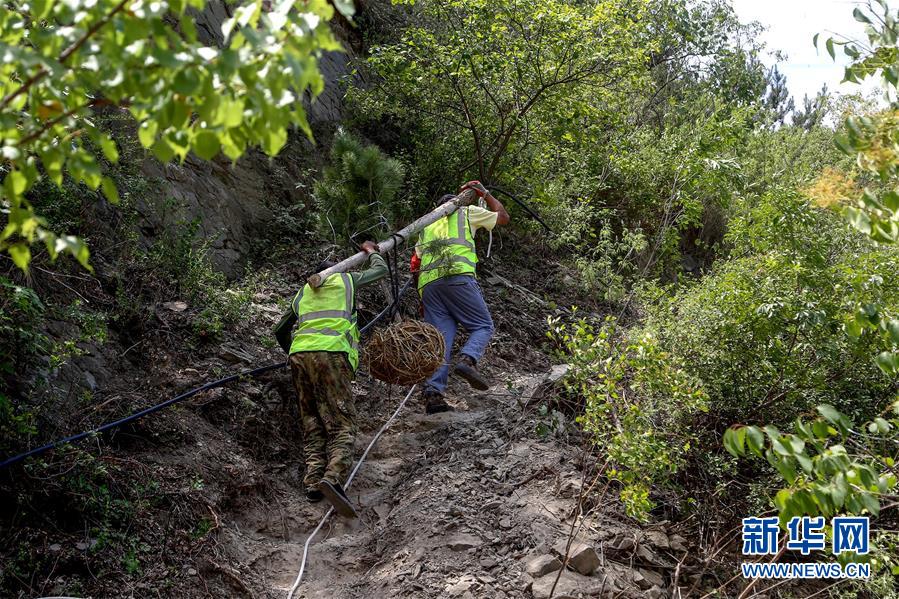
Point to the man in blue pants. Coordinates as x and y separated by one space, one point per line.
445 261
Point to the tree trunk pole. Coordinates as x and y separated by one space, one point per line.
466 198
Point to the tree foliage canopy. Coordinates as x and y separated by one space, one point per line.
64 60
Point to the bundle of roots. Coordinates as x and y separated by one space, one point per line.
404 353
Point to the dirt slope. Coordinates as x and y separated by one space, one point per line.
204 499
454 504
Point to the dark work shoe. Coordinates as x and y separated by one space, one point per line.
465 368
333 492
434 402
313 495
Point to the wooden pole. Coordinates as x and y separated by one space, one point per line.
466 198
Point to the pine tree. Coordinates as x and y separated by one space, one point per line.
358 192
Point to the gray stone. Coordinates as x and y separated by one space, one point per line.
656 593
646 579
460 587
463 542
658 539
542 565
570 583
89 381
524 581
581 556
678 543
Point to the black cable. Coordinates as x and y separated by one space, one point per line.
527 208
395 276
384 312
146 412
137 415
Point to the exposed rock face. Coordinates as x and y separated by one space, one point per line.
232 204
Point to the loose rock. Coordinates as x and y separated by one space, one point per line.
463 542
570 583
542 565
581 557
646 579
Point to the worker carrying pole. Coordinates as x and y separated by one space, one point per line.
466 197
324 355
445 262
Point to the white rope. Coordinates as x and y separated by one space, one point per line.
483 204
349 481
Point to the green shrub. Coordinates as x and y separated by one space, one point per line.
638 402
177 265
21 341
763 330
359 191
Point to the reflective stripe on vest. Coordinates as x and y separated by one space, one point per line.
327 318
458 256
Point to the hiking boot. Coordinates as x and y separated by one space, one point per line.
434 402
334 493
313 495
465 368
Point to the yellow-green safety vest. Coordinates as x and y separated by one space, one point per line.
327 318
447 248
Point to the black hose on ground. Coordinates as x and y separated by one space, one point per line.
146 412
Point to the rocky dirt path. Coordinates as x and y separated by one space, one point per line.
463 504
472 503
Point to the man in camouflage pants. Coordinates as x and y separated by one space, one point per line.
324 355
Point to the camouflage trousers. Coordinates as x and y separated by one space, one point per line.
323 384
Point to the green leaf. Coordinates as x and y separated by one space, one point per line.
163 151
146 133
860 16
76 248
109 190
187 81
830 49
108 145
888 362
838 490
805 462
15 183
834 416
346 8
41 8
755 440
274 140
206 145
784 466
20 255
734 439
870 503
230 113
782 499
890 200
892 328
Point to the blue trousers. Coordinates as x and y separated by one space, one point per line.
450 302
